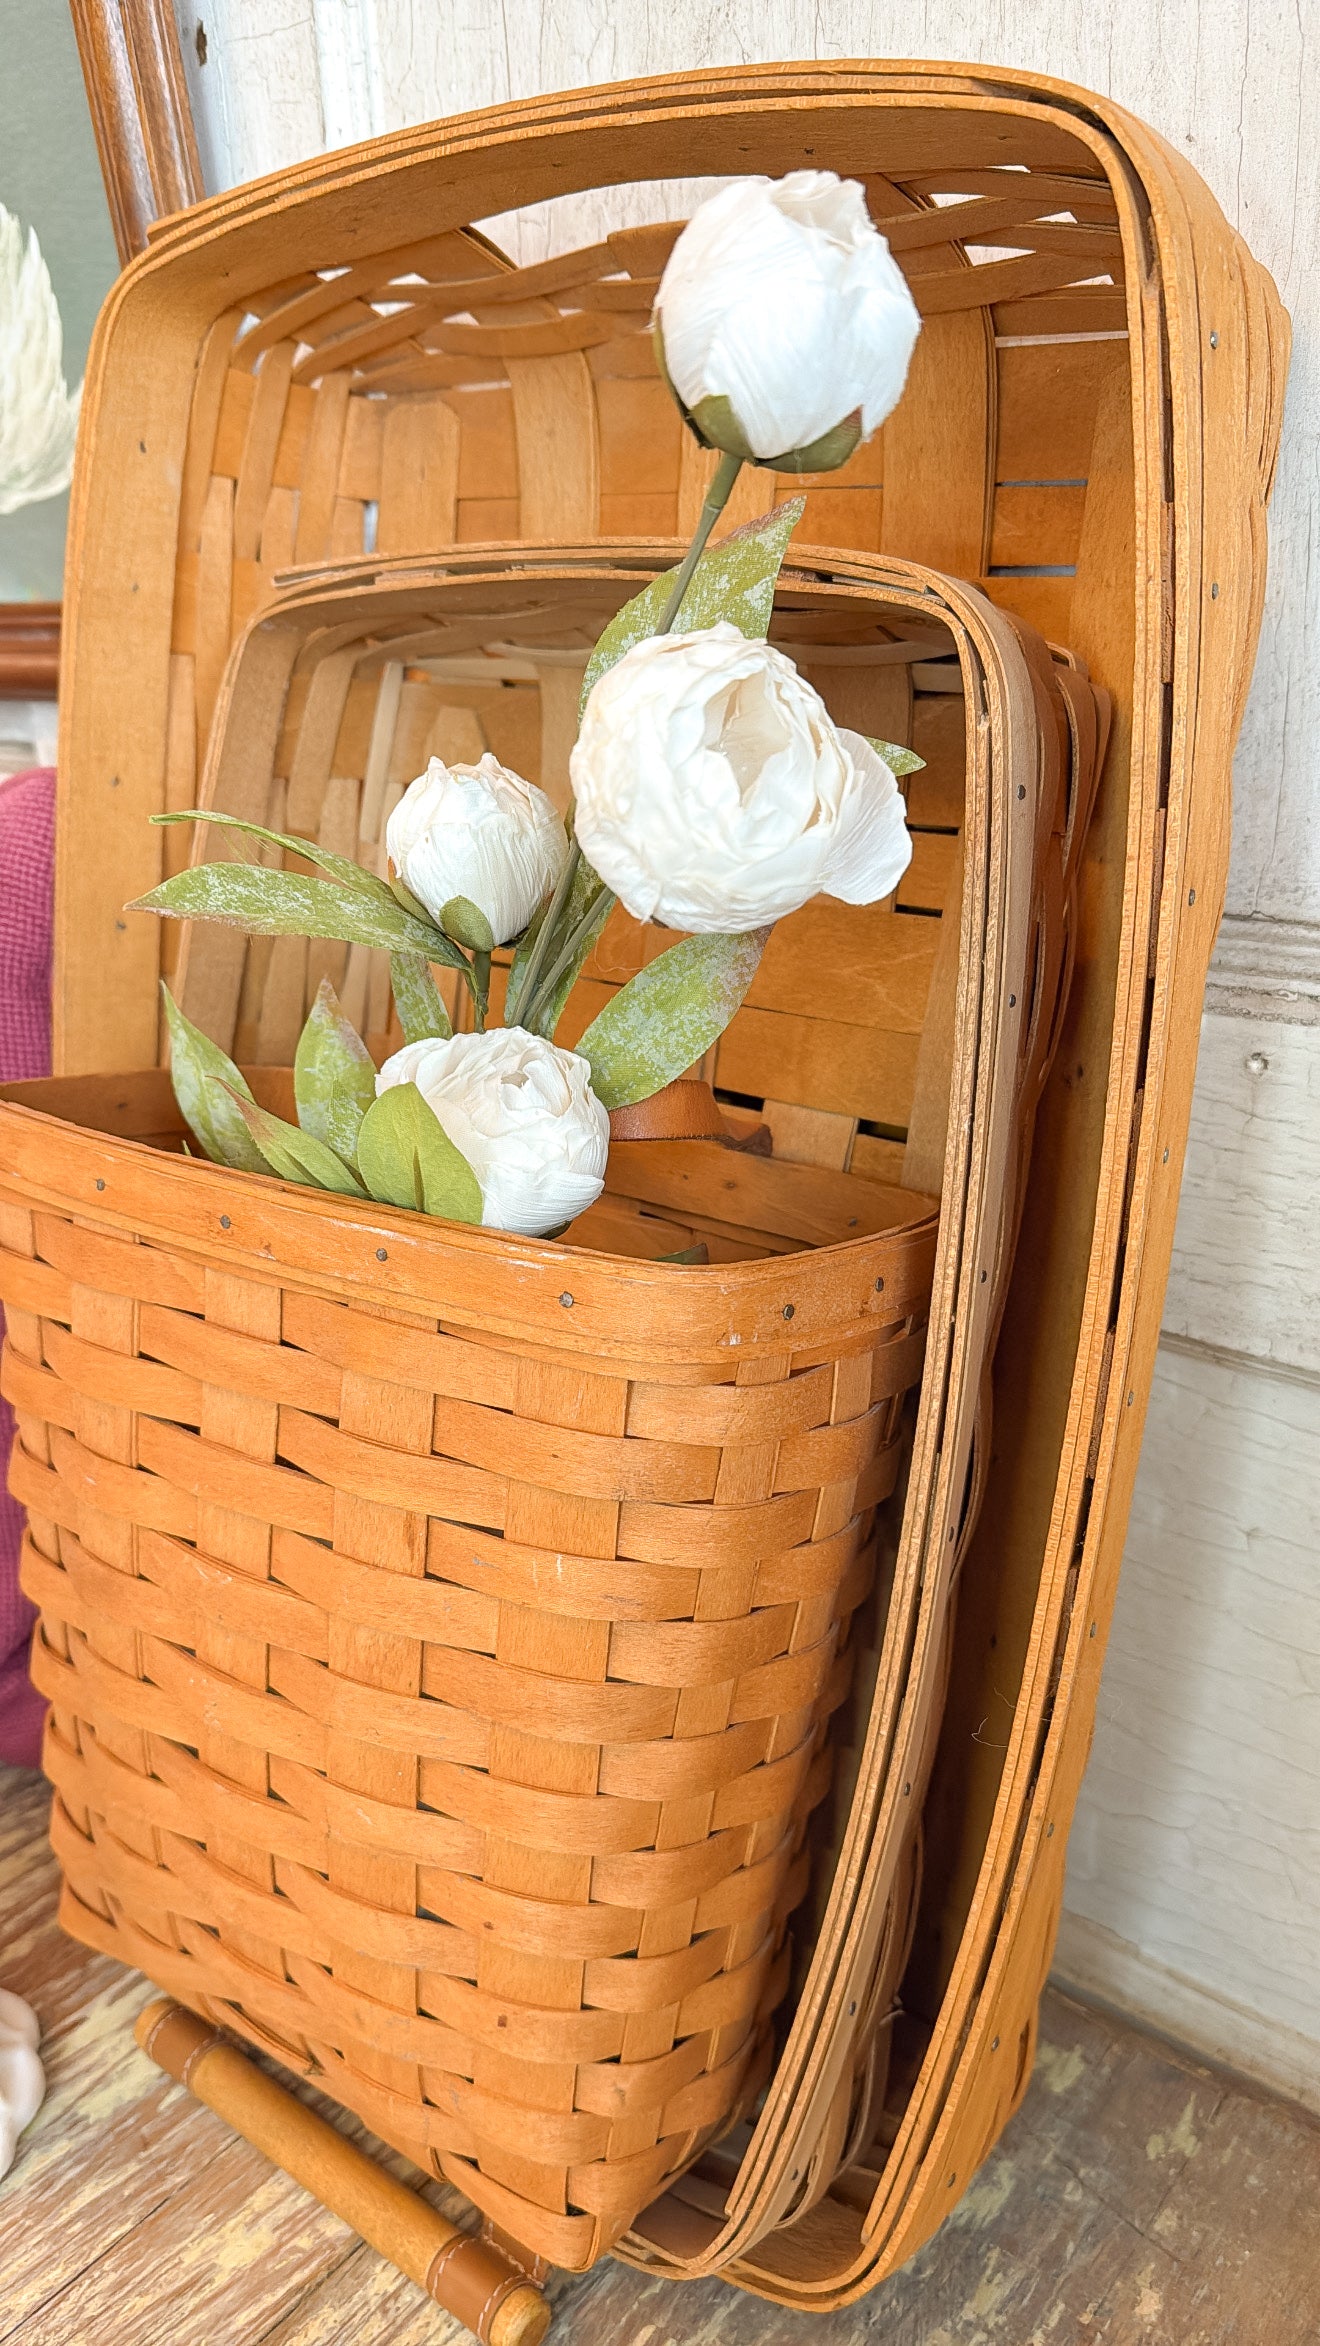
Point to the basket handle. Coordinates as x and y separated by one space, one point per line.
471 2278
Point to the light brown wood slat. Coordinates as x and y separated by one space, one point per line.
1048 396
1082 309
324 447
278 534
938 446
927 1139
924 883
359 460
1036 526
557 437
1002 281
1089 197
961 223
849 1070
238 396
935 796
208 393
418 477
318 736
257 464
215 573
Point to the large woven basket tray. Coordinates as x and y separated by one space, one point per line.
1090 430
224 1661
857 1025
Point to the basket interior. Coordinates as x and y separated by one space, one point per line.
828 1049
432 393
661 1198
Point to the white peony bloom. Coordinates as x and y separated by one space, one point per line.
782 299
479 832
523 1114
38 412
715 792
22 2079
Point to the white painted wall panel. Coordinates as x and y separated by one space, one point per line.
1246 1259
1198 1837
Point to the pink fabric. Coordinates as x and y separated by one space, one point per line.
27 861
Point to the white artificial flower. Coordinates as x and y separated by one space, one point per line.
480 832
523 1114
38 412
782 298
22 2079
715 792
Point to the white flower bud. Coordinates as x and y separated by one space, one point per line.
783 322
523 1114
479 832
22 2079
715 792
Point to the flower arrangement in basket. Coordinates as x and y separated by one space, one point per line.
486 1616
713 794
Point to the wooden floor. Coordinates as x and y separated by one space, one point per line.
1136 2197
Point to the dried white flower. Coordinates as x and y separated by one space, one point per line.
523 1114
715 792
478 832
784 324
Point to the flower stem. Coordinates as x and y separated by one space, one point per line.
564 960
536 958
480 990
717 497
534 991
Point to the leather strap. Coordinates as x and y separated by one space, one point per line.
178 2040
687 1109
471 2280
683 1110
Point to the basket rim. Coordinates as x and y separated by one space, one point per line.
464 1273
490 134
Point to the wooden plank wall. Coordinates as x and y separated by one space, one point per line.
1193 1883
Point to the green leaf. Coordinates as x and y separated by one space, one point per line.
413 904
467 924
334 1076
665 1018
296 1155
691 1256
204 1077
422 1013
898 760
734 580
286 904
340 867
406 1158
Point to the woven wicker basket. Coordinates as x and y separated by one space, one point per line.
441 1630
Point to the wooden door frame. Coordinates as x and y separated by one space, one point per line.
143 125
29 651
140 113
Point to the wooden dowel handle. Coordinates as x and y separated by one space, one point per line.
470 2278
